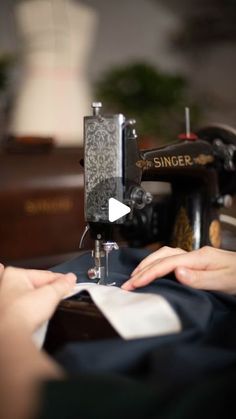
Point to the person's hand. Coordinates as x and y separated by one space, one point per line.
29 297
207 268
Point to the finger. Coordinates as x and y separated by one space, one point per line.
35 277
210 280
38 278
197 259
154 270
46 299
160 253
18 281
142 278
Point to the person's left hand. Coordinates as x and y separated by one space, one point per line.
28 297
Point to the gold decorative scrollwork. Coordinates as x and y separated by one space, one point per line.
183 233
144 164
215 233
203 159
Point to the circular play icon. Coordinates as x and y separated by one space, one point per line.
116 209
104 201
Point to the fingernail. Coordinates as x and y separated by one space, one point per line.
184 273
126 286
71 277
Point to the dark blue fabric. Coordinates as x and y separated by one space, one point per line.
206 346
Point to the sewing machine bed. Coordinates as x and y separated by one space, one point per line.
77 320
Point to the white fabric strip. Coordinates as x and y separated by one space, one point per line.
132 315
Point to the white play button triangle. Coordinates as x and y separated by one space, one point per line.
116 209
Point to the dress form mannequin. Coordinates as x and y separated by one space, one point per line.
54 91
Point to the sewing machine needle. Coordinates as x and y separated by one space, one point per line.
106 264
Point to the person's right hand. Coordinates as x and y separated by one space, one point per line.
207 268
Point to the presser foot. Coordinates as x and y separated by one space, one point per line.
101 252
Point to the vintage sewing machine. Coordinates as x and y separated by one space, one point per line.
200 167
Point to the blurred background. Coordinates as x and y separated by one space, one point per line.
146 58
188 46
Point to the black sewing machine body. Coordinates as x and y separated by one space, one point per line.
201 172
200 169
